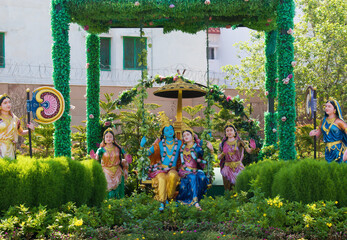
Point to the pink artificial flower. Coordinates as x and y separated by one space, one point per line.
228 98
207 2
283 119
108 123
151 23
285 80
266 93
246 0
290 76
293 63
250 120
267 24
87 65
274 130
175 78
228 26
137 3
87 49
269 20
210 18
211 90
86 27
91 116
290 31
171 6
276 80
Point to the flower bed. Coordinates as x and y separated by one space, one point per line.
232 216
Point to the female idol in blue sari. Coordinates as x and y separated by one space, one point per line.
193 180
334 131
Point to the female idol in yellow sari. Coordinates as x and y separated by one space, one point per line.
10 128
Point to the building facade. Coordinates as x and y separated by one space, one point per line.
26 61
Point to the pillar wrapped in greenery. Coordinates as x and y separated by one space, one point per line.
271 88
93 91
60 21
286 86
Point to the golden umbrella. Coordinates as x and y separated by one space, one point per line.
179 90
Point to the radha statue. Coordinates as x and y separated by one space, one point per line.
193 180
164 154
114 166
231 155
10 128
334 131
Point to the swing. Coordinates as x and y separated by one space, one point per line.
181 89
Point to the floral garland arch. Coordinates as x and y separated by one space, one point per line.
97 16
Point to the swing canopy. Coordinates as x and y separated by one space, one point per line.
191 16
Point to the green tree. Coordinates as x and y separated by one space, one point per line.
41 140
320 53
192 111
79 142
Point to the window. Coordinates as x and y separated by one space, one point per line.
132 50
212 53
2 49
105 54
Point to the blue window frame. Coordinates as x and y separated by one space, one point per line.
105 54
132 48
2 49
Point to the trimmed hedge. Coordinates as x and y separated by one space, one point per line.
303 181
50 182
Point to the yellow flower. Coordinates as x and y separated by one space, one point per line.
336 202
264 214
143 238
307 225
329 224
78 222
109 206
237 211
181 232
174 233
235 195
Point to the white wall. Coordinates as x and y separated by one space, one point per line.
28 43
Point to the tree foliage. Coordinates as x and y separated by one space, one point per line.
320 53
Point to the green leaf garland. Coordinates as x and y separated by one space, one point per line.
93 91
60 21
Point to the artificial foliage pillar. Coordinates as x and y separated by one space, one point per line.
60 22
271 80
93 91
286 87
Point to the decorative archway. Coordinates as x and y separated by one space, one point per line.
191 16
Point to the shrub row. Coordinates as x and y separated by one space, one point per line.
50 182
303 180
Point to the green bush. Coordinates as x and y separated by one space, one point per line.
262 173
50 182
305 180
